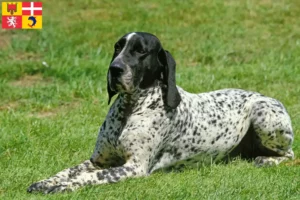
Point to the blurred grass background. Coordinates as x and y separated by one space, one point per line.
53 89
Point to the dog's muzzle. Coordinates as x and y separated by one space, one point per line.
116 70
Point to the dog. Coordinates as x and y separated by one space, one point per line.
154 124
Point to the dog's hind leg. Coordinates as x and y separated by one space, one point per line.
274 134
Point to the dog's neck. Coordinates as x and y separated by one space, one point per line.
138 102
129 103
138 95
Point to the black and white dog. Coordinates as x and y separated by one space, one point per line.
154 124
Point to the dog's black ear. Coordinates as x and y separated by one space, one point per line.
109 91
172 95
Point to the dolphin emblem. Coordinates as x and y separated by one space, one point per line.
33 19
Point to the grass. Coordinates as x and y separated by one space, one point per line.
50 113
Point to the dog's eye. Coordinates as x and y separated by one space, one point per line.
141 51
118 48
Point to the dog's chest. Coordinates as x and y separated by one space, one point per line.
131 130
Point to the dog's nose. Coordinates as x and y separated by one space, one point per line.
116 69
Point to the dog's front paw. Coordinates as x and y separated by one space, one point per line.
40 186
63 187
47 186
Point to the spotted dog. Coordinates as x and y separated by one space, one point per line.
154 124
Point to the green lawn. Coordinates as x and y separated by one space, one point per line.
50 113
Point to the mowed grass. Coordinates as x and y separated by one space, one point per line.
50 113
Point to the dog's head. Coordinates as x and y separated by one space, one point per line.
138 62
